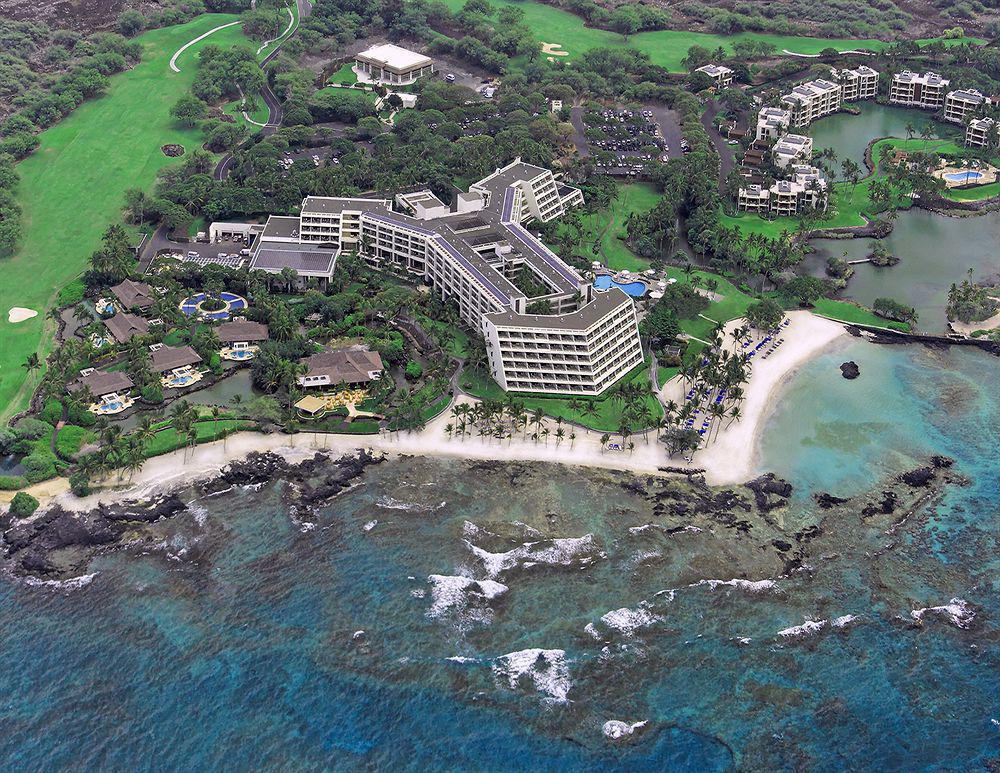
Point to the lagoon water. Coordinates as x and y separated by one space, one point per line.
849 134
232 641
935 251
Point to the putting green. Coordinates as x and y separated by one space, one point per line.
73 186
665 47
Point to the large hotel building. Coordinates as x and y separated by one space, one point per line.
469 252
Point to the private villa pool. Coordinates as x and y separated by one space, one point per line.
635 289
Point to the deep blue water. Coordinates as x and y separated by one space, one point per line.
230 641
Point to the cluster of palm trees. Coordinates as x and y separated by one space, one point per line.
504 420
756 253
718 373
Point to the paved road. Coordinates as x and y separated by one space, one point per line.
579 131
225 165
726 156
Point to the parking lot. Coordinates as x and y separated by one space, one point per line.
624 141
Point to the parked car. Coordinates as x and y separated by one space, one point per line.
450 77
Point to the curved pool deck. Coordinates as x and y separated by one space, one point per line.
635 289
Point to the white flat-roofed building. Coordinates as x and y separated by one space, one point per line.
859 83
721 74
754 198
962 104
809 101
982 133
772 122
469 253
393 65
924 91
580 353
792 148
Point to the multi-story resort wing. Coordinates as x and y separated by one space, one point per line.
981 133
859 83
792 148
961 105
471 252
582 352
772 122
806 187
809 101
924 91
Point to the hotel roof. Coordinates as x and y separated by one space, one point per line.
575 321
394 57
274 256
133 294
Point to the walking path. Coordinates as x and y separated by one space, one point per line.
288 29
186 46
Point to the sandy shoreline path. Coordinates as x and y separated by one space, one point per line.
728 459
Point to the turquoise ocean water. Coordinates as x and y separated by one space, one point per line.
244 638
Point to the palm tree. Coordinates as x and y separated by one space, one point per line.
560 434
31 363
604 441
572 439
216 411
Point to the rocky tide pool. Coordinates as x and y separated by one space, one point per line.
452 615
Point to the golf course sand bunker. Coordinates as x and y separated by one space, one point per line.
20 314
552 50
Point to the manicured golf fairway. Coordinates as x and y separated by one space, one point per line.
73 187
665 47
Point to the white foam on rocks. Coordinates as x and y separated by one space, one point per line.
808 628
958 612
547 669
556 552
453 593
615 729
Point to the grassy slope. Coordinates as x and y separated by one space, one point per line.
73 186
665 47
609 224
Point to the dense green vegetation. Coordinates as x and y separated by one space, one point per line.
74 185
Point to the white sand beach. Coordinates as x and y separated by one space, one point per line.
731 457
728 459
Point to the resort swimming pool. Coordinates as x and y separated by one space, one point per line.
963 177
635 289
192 305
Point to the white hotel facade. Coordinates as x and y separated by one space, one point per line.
811 100
468 253
924 91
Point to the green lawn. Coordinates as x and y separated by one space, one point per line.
974 194
345 76
73 186
259 114
458 343
606 419
607 228
167 440
846 311
733 302
665 47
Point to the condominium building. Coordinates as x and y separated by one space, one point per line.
722 75
859 83
583 352
792 148
924 91
982 133
805 188
772 122
472 253
814 99
392 65
962 104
